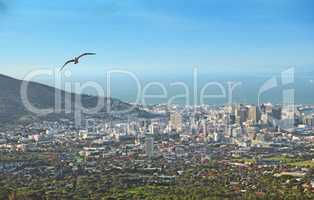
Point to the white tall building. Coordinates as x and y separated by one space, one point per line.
176 121
217 137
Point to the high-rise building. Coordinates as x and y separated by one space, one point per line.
149 147
241 114
267 108
276 112
193 126
217 137
231 119
252 114
264 118
154 128
176 122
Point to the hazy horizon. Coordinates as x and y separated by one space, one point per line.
124 87
247 41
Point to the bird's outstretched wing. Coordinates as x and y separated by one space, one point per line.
67 62
86 54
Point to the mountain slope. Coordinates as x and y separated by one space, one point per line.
43 96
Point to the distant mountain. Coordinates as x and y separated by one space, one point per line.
42 96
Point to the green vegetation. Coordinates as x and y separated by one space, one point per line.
245 160
210 181
305 163
283 159
293 162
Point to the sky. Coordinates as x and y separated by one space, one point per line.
156 36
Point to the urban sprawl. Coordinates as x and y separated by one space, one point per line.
204 152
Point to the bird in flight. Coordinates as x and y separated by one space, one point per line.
76 59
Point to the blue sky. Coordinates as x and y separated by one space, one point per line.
156 36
